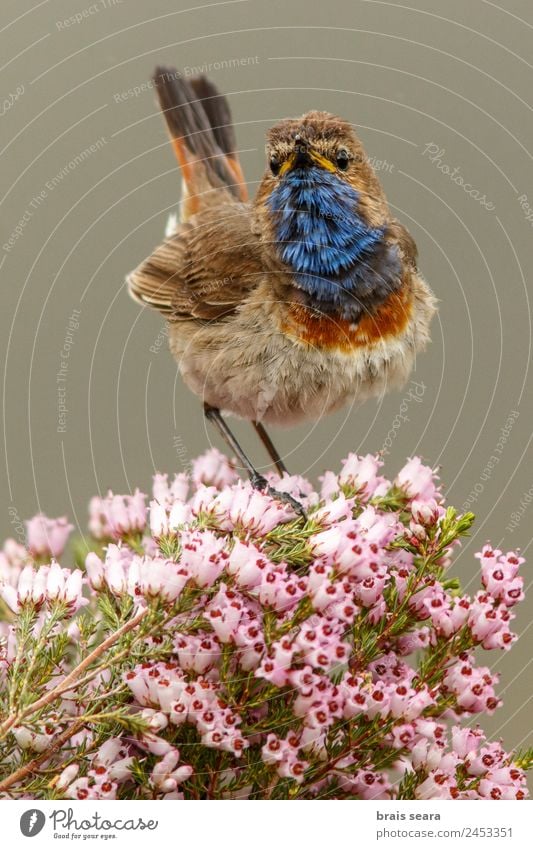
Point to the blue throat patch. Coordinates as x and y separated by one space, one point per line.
337 259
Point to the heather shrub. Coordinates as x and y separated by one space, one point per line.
212 644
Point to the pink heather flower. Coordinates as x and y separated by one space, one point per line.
156 719
67 776
47 537
278 589
274 750
370 590
247 563
109 751
45 584
180 514
275 667
330 486
98 525
125 514
367 784
297 486
120 769
80 789
13 557
65 585
203 556
473 686
466 741
430 596
418 481
160 489
198 653
95 571
28 739
158 520
164 521
293 768
494 790
377 528
224 613
208 499
485 758
117 516
329 543
166 494
288 643
158 578
489 623
155 745
116 568
166 775
213 469
334 511
413 641
426 513
438 785
361 474
451 616
256 511
283 754
378 701
25 583
499 575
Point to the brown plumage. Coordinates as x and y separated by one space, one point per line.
254 332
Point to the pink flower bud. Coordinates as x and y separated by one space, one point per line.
158 520
95 571
67 776
426 513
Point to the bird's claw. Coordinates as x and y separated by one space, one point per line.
288 499
261 483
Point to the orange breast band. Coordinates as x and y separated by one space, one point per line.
334 333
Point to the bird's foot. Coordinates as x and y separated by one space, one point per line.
261 483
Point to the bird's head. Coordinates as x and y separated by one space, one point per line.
322 151
316 140
321 212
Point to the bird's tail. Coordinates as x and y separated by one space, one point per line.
199 121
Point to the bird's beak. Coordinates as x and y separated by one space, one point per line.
303 156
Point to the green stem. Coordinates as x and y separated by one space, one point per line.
73 676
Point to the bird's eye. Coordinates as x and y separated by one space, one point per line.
342 160
275 165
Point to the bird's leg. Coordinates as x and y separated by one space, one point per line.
257 480
214 415
271 448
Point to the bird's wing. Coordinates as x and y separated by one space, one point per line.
399 234
205 270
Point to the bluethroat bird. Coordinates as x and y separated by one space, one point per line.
286 307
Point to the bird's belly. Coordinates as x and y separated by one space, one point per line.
279 379
318 381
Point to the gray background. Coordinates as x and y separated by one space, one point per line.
455 75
